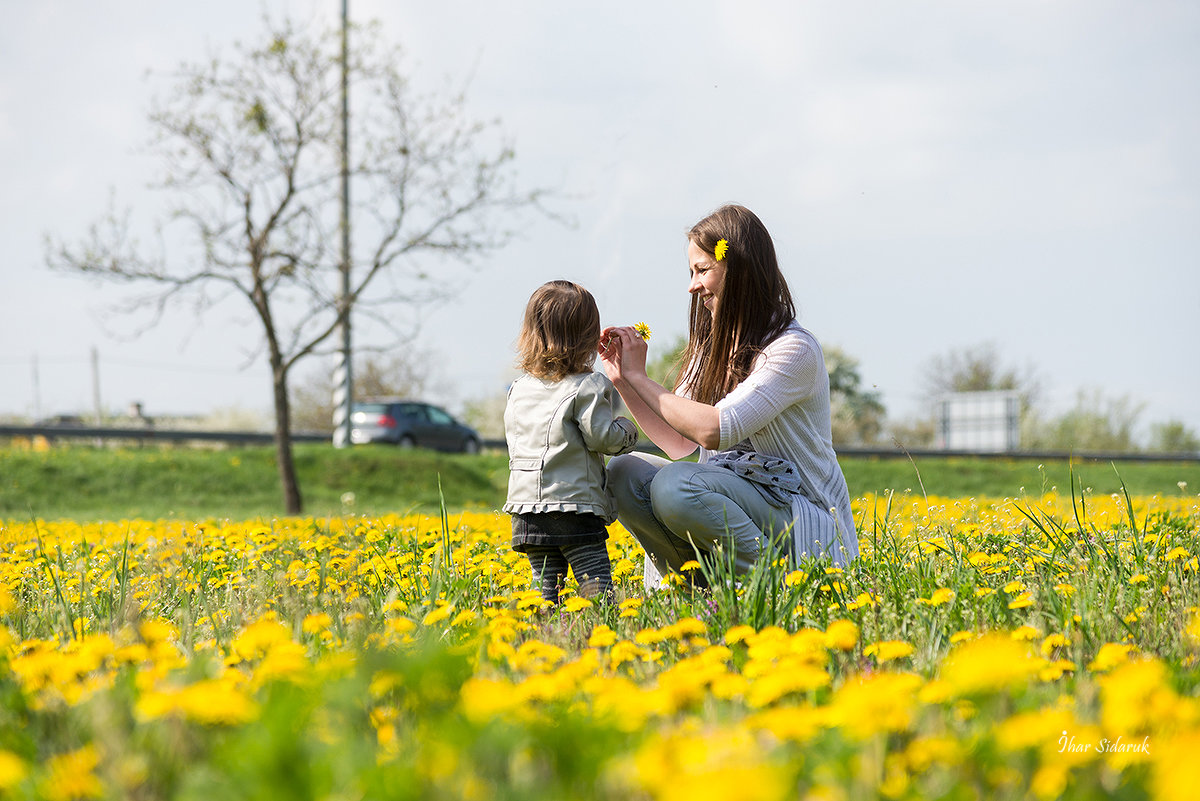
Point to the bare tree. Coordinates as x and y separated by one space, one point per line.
250 147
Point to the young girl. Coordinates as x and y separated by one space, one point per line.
559 421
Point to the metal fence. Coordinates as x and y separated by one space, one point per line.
150 435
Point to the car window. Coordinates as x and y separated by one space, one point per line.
440 417
371 408
413 410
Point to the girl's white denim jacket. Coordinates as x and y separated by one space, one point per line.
557 434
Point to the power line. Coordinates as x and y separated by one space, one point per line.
111 362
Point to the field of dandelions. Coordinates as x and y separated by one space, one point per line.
1040 647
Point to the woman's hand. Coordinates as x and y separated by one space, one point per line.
623 353
675 424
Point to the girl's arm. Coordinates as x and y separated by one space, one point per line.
603 432
675 424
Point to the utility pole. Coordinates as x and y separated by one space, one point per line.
343 393
96 386
37 391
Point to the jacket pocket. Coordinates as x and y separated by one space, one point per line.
525 464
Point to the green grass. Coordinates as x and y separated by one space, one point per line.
184 483
965 477
97 483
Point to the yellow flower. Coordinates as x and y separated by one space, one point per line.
940 596
73 775
842 635
484 699
316 622
721 250
888 650
865 706
1021 601
602 636
991 662
13 770
1176 769
577 604
738 634
1053 642
642 330
1109 656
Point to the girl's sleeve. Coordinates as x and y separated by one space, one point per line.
595 411
785 373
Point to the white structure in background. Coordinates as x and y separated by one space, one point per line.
979 421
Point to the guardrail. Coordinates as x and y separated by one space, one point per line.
152 434
149 434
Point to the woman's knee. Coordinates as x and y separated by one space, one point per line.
673 492
629 474
621 469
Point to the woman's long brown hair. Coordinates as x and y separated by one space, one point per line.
755 305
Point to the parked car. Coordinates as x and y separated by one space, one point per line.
410 424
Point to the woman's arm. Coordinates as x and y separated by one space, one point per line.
675 424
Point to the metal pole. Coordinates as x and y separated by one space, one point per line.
96 386
343 380
37 390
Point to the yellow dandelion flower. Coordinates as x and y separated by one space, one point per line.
1193 629
888 650
721 250
883 702
842 635
602 636
1053 642
738 634
1027 633
940 596
13 770
435 616
991 662
464 618
1022 601
1109 656
73 775
642 330
1176 769
316 622
577 604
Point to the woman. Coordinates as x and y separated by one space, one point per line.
753 395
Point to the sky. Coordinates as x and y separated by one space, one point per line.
936 176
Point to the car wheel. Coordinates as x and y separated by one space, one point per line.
407 442
471 445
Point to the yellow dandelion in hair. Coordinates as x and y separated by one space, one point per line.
642 330
721 249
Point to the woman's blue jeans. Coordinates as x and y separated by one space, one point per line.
680 511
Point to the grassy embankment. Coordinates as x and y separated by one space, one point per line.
152 483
